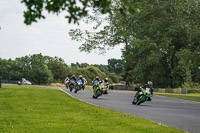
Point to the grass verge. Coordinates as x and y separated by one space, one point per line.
47 110
191 97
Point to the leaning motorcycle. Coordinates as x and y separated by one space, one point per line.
99 91
79 85
66 84
141 97
71 84
95 84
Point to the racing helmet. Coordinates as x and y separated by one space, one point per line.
80 76
106 79
150 83
97 77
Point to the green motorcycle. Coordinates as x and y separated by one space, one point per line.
100 89
141 97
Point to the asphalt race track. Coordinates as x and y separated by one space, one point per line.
173 112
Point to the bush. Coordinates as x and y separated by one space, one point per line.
193 91
113 77
191 87
90 72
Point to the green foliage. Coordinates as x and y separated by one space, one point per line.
58 67
193 90
118 31
103 68
115 65
77 65
9 69
161 41
114 77
165 46
191 87
90 73
76 9
34 68
41 69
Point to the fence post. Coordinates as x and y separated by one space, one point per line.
0 81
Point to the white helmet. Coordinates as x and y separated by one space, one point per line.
106 79
150 83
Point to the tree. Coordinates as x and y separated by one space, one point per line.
163 32
103 68
115 65
154 38
75 65
118 31
39 72
75 9
83 65
58 68
9 70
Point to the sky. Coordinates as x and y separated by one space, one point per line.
48 36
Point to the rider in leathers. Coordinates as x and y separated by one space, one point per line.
149 89
84 81
95 80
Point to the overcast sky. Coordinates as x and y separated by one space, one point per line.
48 36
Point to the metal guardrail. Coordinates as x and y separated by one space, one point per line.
122 87
9 81
171 90
160 90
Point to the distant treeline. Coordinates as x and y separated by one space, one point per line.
41 69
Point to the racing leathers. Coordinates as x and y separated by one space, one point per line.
148 88
84 81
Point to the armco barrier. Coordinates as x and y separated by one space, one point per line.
171 90
9 81
160 90
122 87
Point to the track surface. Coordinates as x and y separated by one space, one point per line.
172 112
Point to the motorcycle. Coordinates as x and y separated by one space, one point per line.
105 91
66 84
71 85
95 84
141 97
100 90
79 85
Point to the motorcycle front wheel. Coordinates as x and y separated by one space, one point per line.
76 89
141 100
71 87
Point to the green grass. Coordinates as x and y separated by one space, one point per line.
36 110
191 97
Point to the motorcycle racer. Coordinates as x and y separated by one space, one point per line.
95 82
84 81
148 88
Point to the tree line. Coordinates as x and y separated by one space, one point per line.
41 69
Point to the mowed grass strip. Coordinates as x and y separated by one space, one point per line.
191 97
36 110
